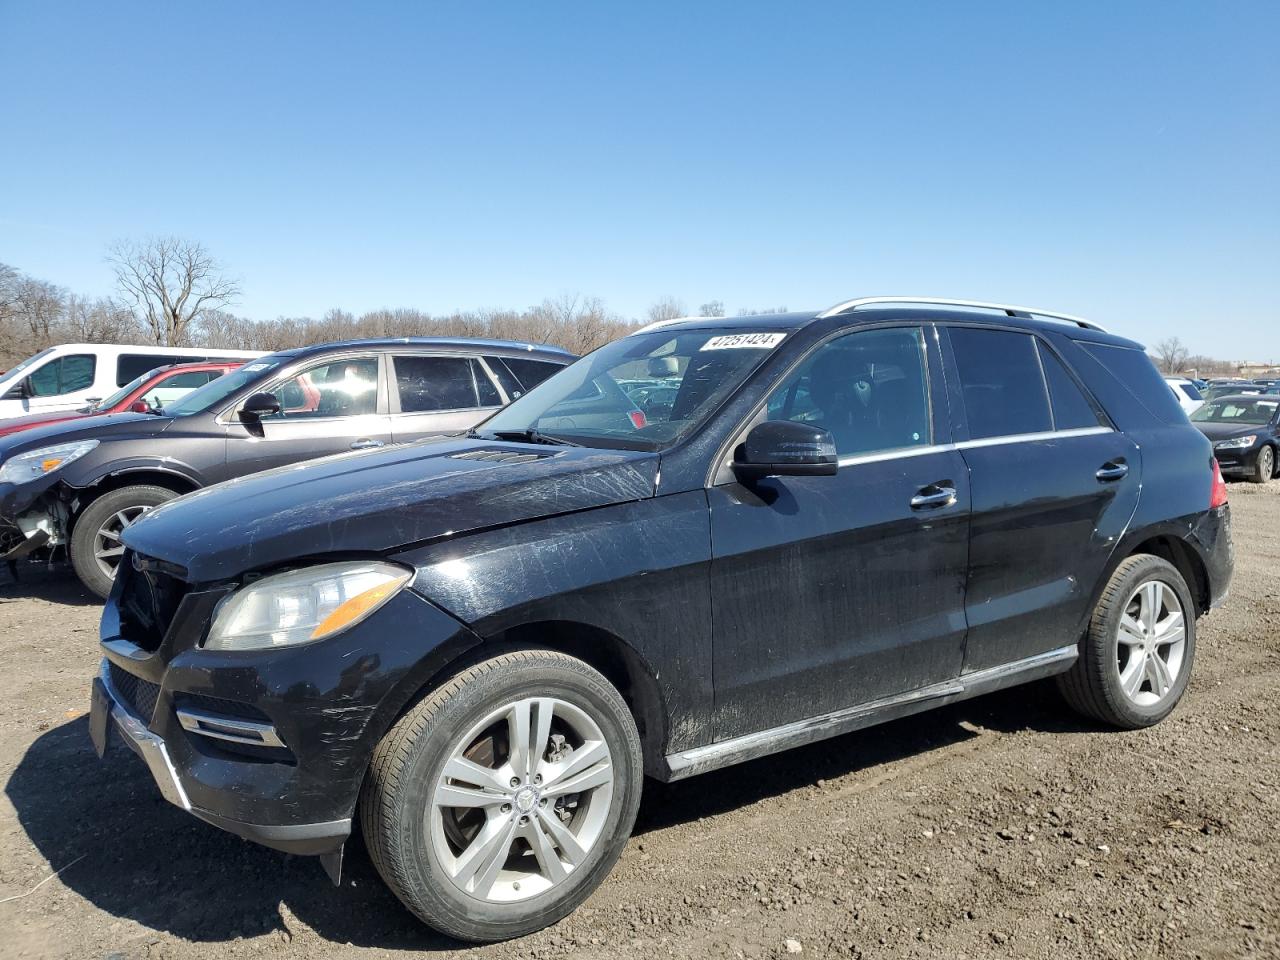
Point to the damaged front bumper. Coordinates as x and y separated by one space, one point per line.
110 711
30 520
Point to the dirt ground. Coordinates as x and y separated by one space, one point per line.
1001 827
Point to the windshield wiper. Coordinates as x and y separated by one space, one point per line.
531 435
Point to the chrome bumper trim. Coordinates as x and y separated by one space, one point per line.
145 744
231 729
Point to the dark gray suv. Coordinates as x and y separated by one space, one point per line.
80 484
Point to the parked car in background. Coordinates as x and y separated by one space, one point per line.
837 519
76 375
1216 390
1245 432
1188 395
79 484
150 391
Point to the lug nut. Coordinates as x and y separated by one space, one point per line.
542 802
537 778
523 821
506 808
515 781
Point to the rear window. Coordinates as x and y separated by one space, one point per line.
130 366
530 373
1134 369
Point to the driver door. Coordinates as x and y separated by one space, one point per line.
829 592
332 406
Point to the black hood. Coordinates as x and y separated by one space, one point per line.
1225 431
375 502
103 427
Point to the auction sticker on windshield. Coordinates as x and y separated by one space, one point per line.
758 341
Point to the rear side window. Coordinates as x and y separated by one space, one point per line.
1071 408
428 384
130 366
510 384
1134 369
68 374
1004 391
1190 390
530 373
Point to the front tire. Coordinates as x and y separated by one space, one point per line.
1264 467
501 801
1136 658
95 546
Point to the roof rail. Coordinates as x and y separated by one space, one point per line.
669 322
1008 309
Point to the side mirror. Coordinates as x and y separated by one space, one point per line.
259 405
19 391
785 448
139 406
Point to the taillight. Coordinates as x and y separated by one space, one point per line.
1218 498
638 419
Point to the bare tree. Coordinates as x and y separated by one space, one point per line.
713 308
668 308
1171 355
170 282
760 311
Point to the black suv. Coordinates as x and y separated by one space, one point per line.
823 521
79 484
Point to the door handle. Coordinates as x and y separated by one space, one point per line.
1111 471
366 444
937 496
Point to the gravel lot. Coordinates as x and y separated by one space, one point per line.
1002 827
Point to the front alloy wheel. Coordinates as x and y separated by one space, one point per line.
97 535
522 800
499 802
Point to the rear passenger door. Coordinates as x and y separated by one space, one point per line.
1053 484
437 394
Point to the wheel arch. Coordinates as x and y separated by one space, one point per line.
617 660
1177 551
174 480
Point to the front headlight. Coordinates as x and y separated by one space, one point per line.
303 605
34 464
1236 443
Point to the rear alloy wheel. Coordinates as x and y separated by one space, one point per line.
96 540
1265 467
1135 661
500 802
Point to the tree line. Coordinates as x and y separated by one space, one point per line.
172 292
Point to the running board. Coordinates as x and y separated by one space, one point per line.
727 752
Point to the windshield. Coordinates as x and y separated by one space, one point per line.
642 392
15 371
216 392
124 391
1241 410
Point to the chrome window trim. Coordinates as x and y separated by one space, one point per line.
898 453
1033 437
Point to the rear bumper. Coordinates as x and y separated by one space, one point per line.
1211 535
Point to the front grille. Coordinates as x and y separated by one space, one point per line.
149 598
139 695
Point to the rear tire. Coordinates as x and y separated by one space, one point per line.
94 539
1136 657
1264 467
503 859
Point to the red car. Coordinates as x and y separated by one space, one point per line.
151 390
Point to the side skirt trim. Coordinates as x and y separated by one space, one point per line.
713 756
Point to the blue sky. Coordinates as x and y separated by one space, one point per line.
1121 161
